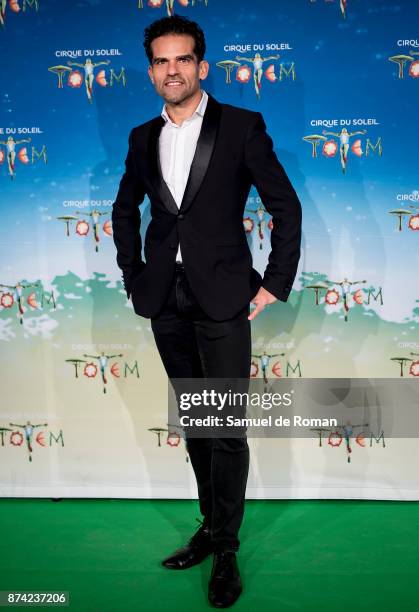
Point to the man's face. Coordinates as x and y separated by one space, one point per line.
174 71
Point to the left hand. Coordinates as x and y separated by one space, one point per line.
261 299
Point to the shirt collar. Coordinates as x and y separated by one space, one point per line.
200 110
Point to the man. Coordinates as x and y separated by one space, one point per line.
197 162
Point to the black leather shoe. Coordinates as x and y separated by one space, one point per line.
196 550
225 584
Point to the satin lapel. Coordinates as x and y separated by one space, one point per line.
156 174
204 149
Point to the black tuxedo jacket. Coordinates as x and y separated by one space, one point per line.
233 152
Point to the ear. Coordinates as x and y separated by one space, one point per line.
203 69
150 74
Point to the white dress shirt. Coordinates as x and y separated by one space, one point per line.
177 144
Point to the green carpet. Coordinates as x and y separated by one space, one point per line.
295 555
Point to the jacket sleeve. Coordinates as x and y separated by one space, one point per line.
281 201
126 221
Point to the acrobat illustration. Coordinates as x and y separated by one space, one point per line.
332 295
159 3
103 364
82 227
264 360
261 223
10 145
344 137
342 5
28 430
343 432
7 299
169 6
348 433
258 62
89 74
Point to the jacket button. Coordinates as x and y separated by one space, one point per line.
172 246
181 216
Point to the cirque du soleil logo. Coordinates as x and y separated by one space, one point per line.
338 143
13 296
25 436
11 153
342 293
82 226
262 363
252 67
83 70
99 364
346 433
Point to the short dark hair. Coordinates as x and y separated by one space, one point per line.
175 25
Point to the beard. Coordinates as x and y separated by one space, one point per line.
177 97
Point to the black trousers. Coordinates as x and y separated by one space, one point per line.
191 345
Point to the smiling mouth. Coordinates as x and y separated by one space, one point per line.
173 83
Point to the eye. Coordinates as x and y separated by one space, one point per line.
185 60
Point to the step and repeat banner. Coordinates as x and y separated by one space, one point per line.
84 395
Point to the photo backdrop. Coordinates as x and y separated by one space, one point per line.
84 395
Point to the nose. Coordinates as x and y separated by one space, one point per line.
172 67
